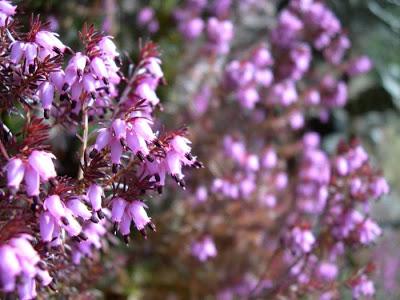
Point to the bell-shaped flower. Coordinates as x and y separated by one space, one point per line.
55 206
103 139
9 268
7 8
15 173
78 208
119 129
46 94
118 208
94 194
139 214
42 162
108 47
181 145
17 51
47 224
49 40
144 91
99 68
32 181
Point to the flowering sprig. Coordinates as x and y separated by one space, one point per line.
47 220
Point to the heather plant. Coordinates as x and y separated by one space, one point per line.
49 223
274 213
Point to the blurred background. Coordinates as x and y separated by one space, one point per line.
371 113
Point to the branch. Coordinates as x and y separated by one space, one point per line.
84 139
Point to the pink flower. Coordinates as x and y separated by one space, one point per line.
78 208
32 181
42 163
204 249
94 194
15 173
138 213
108 47
363 287
19 260
123 213
46 94
9 268
55 206
38 166
118 208
49 40
303 239
219 35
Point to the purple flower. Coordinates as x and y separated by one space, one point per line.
46 94
118 209
368 231
94 194
42 163
38 166
7 11
337 49
138 214
359 65
201 194
363 287
201 101
15 173
302 239
379 187
191 28
219 35
78 208
328 271
221 8
333 92
95 233
124 212
296 120
204 249
49 41
19 260
262 57
248 97
269 158
57 215
7 8
145 15
283 93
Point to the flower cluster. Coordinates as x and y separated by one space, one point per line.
217 29
298 208
21 268
48 220
146 19
35 169
247 77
